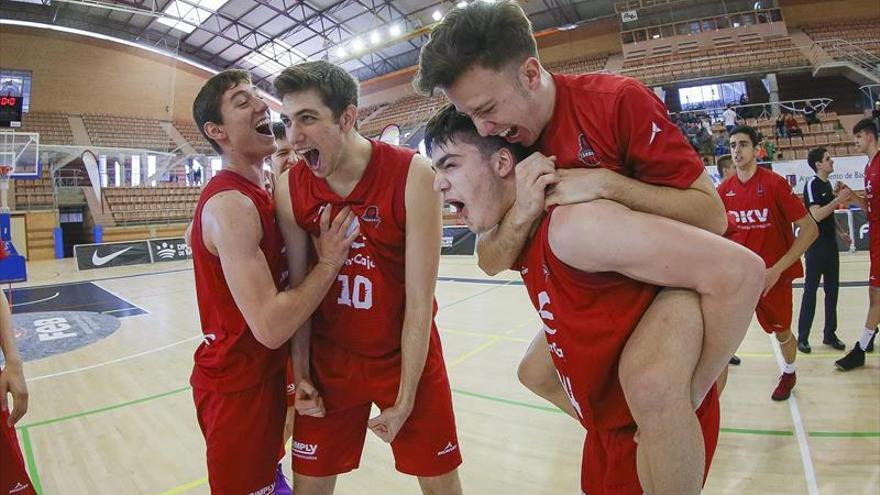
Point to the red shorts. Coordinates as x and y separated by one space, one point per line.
774 309
13 476
242 431
874 246
427 444
609 459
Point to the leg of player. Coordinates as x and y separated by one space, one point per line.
656 370
788 343
722 381
855 358
312 485
445 484
537 373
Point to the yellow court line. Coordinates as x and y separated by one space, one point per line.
503 336
185 487
464 357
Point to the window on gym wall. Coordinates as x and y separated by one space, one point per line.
135 170
711 95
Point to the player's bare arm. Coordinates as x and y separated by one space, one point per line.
308 401
498 249
698 205
12 380
423 232
232 231
808 231
606 236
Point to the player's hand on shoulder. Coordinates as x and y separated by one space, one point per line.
533 175
579 185
308 401
333 244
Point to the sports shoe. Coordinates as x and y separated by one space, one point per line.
783 389
804 347
281 485
855 358
835 343
735 360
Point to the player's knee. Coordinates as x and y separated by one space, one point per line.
537 373
445 484
650 393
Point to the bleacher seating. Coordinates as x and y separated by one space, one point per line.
864 33
127 132
146 205
189 131
54 128
35 194
580 65
719 60
414 109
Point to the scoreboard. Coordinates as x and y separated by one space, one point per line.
10 111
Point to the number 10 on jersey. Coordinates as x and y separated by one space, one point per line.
358 295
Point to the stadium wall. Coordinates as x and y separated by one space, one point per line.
799 12
74 74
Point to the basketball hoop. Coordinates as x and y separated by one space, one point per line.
5 170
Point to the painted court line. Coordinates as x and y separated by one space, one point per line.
800 432
113 361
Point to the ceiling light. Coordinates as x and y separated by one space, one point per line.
462 4
357 45
340 52
437 15
395 30
375 37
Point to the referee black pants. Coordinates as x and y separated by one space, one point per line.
823 262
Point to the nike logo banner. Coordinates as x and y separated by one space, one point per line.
91 256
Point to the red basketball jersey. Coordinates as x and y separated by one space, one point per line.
363 311
872 193
230 358
764 207
588 318
603 120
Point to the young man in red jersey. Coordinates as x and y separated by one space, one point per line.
765 207
13 476
373 339
610 137
592 280
865 132
247 316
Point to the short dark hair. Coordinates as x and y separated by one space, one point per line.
206 107
279 131
490 35
744 129
815 156
449 125
723 162
338 88
865 125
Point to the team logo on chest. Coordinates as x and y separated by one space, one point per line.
371 215
586 155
